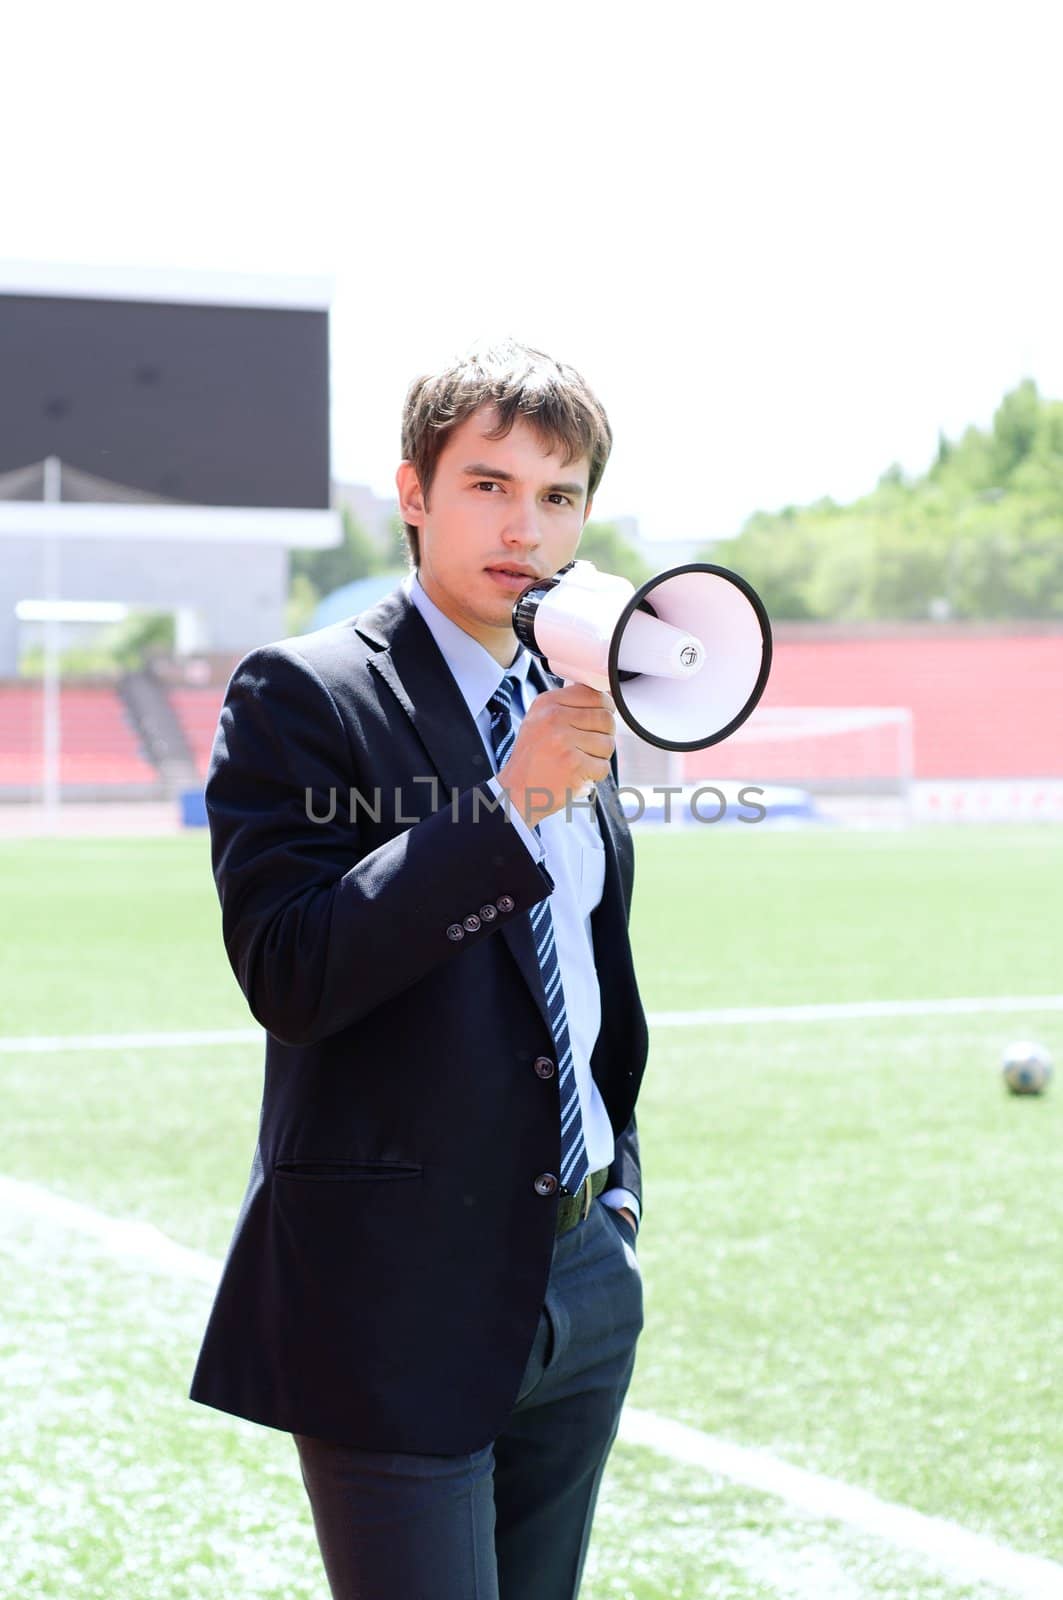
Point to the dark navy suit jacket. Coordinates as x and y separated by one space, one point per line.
385 1278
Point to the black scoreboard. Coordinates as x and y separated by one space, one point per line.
210 404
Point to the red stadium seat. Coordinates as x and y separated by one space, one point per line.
97 745
197 712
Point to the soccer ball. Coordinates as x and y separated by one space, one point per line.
1027 1067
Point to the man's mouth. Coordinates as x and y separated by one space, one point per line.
511 577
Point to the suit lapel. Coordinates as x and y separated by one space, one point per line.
411 664
414 669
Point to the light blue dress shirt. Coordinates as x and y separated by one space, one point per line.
574 856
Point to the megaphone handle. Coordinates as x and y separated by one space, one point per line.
590 786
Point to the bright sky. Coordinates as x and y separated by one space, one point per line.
786 242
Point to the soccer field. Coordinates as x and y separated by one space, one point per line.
851 1249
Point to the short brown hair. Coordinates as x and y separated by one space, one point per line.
519 382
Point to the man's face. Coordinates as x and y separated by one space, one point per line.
501 512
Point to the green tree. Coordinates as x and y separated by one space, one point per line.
781 557
302 601
982 531
356 556
1015 427
124 646
606 546
396 550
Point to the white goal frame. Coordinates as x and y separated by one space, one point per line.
881 740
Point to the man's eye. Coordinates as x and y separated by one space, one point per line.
488 483
563 498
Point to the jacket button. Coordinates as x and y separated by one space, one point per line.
471 924
488 913
505 902
546 1183
455 932
544 1067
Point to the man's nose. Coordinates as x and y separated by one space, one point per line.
522 524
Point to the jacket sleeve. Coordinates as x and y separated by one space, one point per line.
318 930
626 1170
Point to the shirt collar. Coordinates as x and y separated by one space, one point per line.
474 669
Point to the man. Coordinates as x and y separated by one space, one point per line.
432 1283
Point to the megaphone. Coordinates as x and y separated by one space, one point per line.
685 657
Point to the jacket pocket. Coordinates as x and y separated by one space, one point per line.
346 1171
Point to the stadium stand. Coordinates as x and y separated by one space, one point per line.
197 712
99 750
983 704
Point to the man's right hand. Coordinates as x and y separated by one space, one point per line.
565 741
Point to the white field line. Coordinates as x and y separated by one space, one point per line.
951 1548
52 1044
138 1242
855 1010
972 1556
847 1010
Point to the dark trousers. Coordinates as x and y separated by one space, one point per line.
511 1521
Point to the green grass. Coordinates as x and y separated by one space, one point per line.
113 935
119 935
851 1249
755 917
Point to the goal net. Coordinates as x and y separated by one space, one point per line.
856 750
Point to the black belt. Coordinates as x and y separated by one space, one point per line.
576 1207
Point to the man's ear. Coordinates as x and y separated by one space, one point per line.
411 500
587 510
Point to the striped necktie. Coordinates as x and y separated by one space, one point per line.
573 1151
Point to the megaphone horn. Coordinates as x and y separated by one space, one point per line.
685 657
